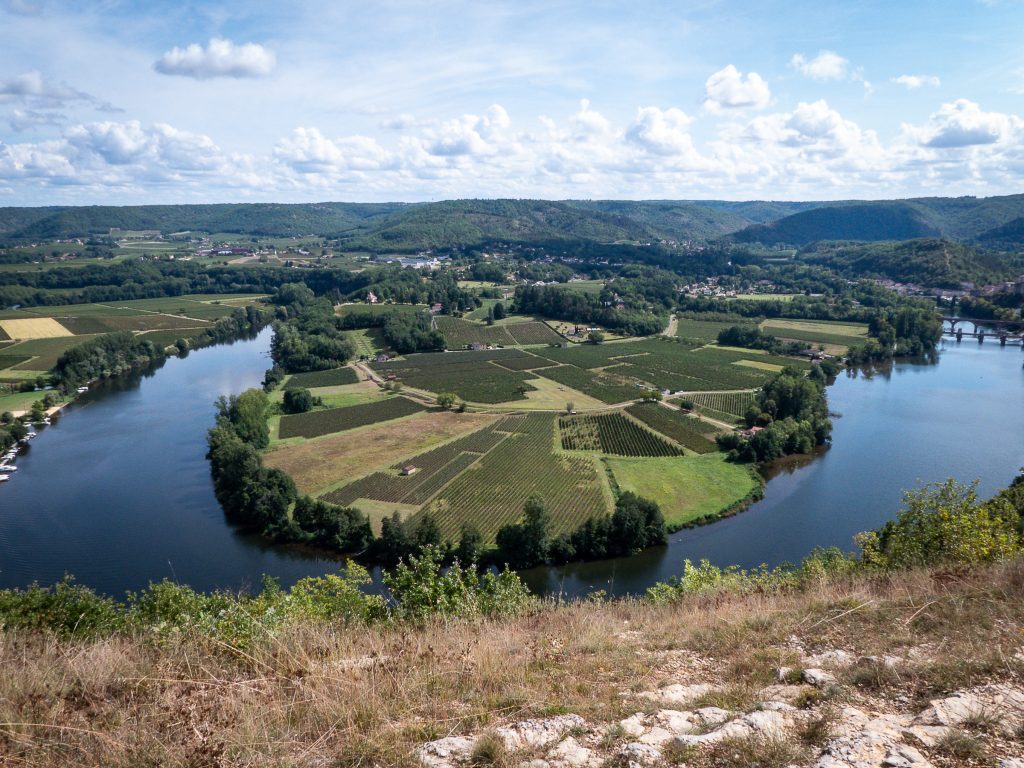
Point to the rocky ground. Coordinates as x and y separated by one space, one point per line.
809 716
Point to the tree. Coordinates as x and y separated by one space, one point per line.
247 415
570 407
471 544
499 311
526 544
687 404
595 337
298 400
446 400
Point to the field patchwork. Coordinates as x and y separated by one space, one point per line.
612 433
686 430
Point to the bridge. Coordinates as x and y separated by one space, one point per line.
1006 331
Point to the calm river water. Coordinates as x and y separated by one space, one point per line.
118 492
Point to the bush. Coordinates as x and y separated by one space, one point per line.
298 401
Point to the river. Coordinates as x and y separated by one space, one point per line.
118 491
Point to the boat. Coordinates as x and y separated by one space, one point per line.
8 468
4 478
82 389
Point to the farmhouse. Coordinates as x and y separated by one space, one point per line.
371 297
409 469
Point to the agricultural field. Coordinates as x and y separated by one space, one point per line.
705 331
322 465
686 430
459 333
686 488
9 361
612 433
34 328
432 471
330 378
817 331
604 387
533 332
525 363
492 492
43 353
324 422
369 341
728 403
470 375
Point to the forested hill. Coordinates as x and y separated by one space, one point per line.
266 219
857 221
987 221
991 222
931 262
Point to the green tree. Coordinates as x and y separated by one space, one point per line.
526 544
471 544
499 311
298 400
446 400
595 337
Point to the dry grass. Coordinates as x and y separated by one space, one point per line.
318 465
354 696
34 328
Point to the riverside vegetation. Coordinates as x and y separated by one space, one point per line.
452 668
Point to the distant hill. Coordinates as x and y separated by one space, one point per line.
1010 236
672 220
266 219
932 262
855 221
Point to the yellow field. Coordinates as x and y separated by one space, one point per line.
759 365
34 328
820 326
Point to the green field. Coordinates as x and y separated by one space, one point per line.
700 330
325 422
817 331
331 378
605 387
459 333
369 341
470 375
612 433
687 431
533 332
43 353
686 488
730 403
492 492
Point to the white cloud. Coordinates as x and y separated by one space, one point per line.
308 151
729 89
24 119
962 123
663 132
33 85
469 134
220 58
827 65
913 82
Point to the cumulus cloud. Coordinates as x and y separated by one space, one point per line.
33 85
663 132
220 58
469 134
827 65
913 82
962 123
308 151
729 89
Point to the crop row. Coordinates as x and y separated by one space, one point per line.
735 403
533 332
615 434
604 387
316 423
460 333
469 377
329 378
493 492
685 430
527 363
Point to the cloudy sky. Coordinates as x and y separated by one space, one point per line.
186 101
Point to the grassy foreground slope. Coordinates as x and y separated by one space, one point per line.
330 694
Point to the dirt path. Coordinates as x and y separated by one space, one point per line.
673 324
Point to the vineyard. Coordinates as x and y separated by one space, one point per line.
817 333
700 330
316 423
330 378
733 403
493 491
533 332
612 433
687 431
526 363
460 333
604 387
470 375
433 470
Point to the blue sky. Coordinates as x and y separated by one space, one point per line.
147 102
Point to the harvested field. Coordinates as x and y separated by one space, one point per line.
34 328
332 461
